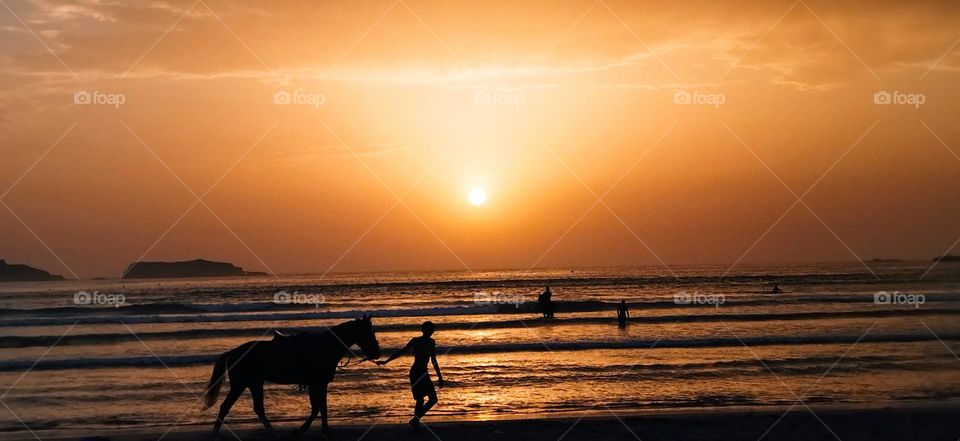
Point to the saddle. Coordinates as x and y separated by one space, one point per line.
304 336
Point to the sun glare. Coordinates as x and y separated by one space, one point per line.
477 196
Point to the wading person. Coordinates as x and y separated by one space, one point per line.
623 313
424 349
545 299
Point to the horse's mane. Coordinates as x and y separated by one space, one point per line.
321 335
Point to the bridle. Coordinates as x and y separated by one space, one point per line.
342 364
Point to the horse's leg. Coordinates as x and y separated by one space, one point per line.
256 391
318 403
322 397
235 391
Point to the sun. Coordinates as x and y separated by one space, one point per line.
477 196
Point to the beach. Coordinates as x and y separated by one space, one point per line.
817 423
698 346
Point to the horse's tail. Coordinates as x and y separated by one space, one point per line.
216 381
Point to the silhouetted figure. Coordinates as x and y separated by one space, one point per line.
776 289
623 313
545 299
424 349
307 359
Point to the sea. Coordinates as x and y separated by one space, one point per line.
91 356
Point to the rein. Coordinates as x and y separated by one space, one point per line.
340 365
350 361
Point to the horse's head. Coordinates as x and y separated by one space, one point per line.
366 338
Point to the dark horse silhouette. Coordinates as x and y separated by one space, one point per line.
307 358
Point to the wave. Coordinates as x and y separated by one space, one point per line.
190 360
613 277
106 317
193 334
197 313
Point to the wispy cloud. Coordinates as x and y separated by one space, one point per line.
312 152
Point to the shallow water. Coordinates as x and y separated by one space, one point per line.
825 340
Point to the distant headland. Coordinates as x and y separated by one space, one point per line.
190 268
946 258
24 273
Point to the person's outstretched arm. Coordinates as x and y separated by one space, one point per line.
396 354
436 367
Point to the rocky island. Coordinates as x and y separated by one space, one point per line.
190 268
24 273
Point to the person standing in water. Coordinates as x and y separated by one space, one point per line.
424 349
545 299
623 313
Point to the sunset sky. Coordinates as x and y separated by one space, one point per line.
545 106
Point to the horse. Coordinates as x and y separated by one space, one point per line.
307 359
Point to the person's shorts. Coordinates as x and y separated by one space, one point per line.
421 385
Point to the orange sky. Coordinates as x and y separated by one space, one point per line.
545 105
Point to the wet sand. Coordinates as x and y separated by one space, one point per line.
928 422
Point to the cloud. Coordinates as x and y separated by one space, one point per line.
807 48
313 152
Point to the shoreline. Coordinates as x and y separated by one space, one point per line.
864 421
